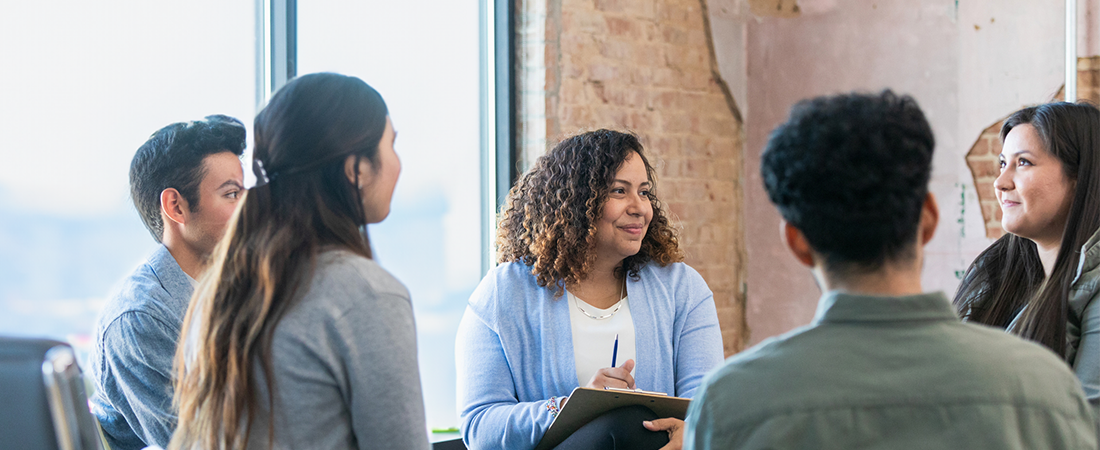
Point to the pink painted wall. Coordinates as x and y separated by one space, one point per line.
968 64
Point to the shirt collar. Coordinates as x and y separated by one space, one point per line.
171 276
838 307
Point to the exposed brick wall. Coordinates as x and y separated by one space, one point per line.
648 66
983 160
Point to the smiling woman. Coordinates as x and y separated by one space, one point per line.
590 273
1039 281
626 213
1034 191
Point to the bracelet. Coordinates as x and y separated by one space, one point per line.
552 406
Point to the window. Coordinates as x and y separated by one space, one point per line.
424 60
84 84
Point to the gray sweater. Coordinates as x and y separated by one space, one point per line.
345 360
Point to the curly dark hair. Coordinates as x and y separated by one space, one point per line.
851 172
549 222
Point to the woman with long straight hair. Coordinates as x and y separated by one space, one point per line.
1041 279
296 338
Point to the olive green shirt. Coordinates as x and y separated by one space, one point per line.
891 373
1083 327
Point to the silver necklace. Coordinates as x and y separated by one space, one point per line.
618 306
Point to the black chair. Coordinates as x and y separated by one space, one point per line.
42 399
454 444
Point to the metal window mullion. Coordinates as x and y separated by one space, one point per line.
505 49
487 106
498 107
279 36
1071 51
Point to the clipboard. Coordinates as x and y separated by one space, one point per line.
586 404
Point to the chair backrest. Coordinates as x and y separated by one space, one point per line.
42 400
453 444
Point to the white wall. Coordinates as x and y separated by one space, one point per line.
967 63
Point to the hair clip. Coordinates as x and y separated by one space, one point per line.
260 173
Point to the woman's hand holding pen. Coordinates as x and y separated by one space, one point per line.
616 377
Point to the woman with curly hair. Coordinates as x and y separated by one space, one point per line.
590 272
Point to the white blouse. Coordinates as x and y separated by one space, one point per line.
594 339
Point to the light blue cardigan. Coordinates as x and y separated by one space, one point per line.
514 348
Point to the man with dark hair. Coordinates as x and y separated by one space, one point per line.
185 182
883 364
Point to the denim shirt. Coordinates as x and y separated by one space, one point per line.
135 342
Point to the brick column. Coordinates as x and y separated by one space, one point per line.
647 66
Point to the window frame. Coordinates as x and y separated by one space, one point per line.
277 58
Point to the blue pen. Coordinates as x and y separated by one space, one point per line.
615 350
